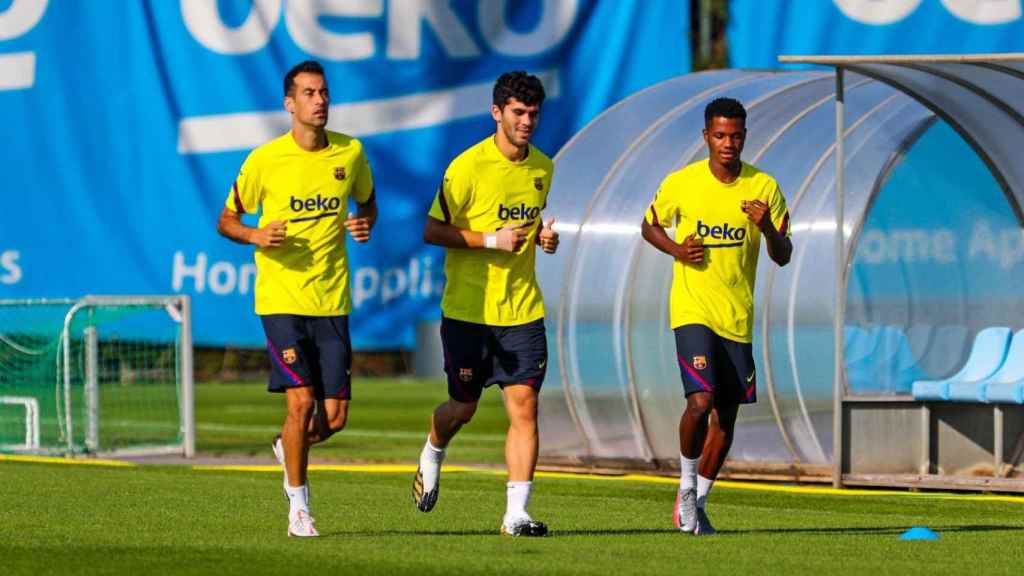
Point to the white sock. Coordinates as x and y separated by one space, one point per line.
518 494
688 472
703 488
430 464
298 499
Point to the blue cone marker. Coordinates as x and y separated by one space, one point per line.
919 533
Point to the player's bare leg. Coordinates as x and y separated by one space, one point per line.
300 404
521 456
294 440
693 429
331 417
693 424
716 448
718 440
521 442
447 419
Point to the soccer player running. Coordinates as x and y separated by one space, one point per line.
487 214
301 183
721 209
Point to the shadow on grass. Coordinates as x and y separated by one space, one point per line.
553 534
374 533
871 530
832 531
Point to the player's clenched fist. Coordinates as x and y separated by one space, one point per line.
273 234
756 212
509 239
358 228
548 238
691 251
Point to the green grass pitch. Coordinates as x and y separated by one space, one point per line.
80 519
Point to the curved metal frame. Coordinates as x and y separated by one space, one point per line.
866 65
956 125
766 312
769 379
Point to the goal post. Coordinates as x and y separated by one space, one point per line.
108 375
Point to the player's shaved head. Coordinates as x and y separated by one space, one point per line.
309 67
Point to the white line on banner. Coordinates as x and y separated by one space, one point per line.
245 130
17 71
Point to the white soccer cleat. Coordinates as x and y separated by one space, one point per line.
302 525
684 514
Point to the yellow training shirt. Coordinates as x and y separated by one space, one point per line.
718 293
484 191
308 273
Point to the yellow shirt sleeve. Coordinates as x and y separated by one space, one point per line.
663 210
778 209
362 190
452 196
246 193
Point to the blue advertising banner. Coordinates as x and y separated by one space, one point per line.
940 232
940 257
124 124
761 30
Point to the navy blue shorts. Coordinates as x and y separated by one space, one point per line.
477 356
309 351
710 363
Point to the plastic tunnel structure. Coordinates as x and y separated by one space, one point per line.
914 131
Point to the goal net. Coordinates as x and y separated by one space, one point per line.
101 375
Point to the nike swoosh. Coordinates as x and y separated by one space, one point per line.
542 364
751 377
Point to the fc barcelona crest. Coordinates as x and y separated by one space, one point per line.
700 362
538 183
339 173
288 355
465 374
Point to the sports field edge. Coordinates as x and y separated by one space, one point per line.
411 468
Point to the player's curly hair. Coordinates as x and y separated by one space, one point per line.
724 108
524 87
309 66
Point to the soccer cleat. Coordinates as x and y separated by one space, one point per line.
704 527
684 514
424 501
302 525
524 527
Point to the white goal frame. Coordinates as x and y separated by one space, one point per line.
179 309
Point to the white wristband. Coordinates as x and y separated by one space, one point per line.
490 240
